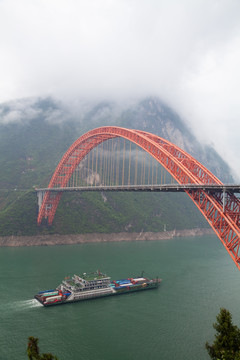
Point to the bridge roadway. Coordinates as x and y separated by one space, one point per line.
231 188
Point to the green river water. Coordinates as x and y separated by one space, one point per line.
172 322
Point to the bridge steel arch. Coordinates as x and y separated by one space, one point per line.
220 209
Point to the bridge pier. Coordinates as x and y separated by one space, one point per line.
224 199
40 196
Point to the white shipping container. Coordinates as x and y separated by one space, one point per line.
52 298
139 279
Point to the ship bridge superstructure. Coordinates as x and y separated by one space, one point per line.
85 282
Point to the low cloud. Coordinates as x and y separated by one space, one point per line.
185 52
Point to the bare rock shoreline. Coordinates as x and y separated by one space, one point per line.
49 240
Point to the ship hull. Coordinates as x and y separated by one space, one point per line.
120 291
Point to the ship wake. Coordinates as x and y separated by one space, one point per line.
22 305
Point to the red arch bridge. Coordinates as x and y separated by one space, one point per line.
118 159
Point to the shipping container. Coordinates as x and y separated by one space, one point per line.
53 298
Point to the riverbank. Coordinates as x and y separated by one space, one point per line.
50 240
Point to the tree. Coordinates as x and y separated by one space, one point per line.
226 345
33 351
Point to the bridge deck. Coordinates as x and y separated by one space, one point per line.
166 187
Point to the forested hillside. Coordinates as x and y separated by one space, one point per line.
34 135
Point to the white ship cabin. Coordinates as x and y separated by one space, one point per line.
87 282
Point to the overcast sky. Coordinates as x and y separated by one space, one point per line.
187 52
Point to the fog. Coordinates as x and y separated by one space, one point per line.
185 52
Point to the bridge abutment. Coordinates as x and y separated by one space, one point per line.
40 196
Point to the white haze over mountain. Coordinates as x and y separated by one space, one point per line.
185 52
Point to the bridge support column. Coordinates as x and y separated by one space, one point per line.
224 199
40 196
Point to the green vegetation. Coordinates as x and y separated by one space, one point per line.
30 150
226 345
90 212
33 351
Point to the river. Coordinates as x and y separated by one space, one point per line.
172 322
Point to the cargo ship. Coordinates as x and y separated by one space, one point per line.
93 285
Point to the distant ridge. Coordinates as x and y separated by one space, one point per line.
35 133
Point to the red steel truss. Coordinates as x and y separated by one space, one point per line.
220 209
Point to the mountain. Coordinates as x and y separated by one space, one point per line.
35 133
